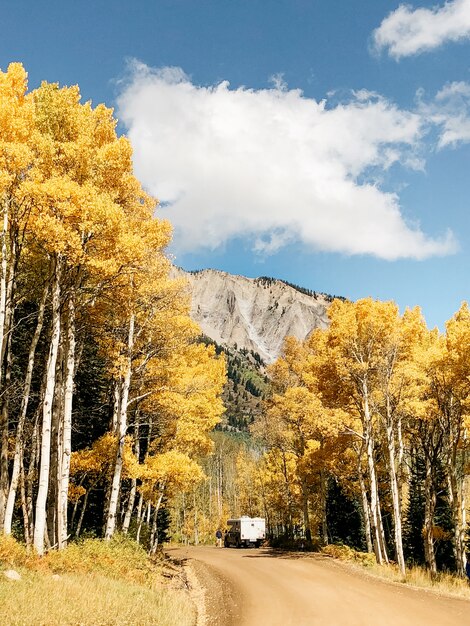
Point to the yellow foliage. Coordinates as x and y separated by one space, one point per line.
170 471
95 459
188 396
75 492
86 221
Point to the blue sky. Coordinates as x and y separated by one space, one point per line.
323 142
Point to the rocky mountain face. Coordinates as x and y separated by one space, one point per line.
253 314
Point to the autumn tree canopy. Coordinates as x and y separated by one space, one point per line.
84 274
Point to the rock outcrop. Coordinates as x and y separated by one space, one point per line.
255 314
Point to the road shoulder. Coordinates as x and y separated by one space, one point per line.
214 597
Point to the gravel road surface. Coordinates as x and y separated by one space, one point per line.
265 588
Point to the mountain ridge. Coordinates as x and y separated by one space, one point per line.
254 314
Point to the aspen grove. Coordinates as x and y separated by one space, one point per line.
109 396
106 395
374 409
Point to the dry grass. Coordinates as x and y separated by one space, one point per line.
345 553
89 584
444 583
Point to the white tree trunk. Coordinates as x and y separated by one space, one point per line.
365 504
66 451
22 418
4 421
429 508
140 517
3 281
457 505
374 500
40 518
132 495
3 341
130 507
122 429
395 499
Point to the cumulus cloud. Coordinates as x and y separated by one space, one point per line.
451 112
273 166
409 31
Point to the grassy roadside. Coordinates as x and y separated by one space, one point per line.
94 583
418 577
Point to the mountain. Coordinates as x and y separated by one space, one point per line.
254 314
248 319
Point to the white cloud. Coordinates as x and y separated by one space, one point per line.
409 31
450 113
272 165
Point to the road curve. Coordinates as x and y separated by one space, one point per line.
265 588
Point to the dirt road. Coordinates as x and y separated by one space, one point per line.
262 588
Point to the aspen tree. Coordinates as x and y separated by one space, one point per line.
149 306
71 233
15 163
252 496
449 372
19 442
422 349
186 398
64 170
457 424
354 339
40 514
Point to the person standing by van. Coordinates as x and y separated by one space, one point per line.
218 536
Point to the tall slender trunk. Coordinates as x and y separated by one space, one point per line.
133 492
130 507
396 504
219 476
5 418
140 517
22 417
116 406
82 513
429 508
52 517
122 429
3 279
288 521
24 505
196 530
374 496
154 533
77 502
463 506
29 479
364 500
457 505
383 543
323 512
40 518
305 512
5 404
6 360
66 451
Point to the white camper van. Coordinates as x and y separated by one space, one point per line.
245 532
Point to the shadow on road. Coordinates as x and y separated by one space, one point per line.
269 553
